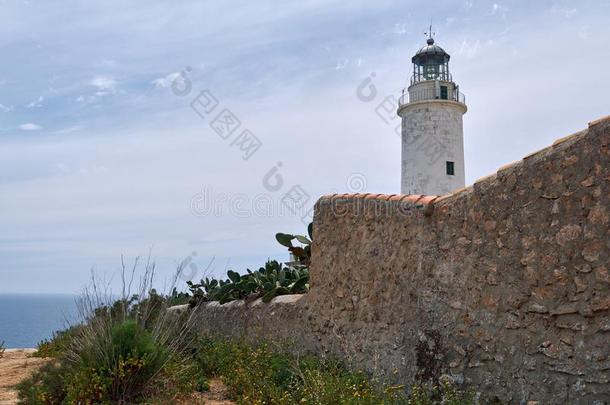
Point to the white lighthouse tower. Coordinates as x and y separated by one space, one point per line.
431 109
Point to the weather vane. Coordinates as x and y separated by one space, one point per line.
429 33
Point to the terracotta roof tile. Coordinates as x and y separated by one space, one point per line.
538 152
427 199
507 166
411 198
485 178
564 139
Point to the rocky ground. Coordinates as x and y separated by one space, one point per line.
16 365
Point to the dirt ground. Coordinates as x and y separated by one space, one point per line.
217 395
16 365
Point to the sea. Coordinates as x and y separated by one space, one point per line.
26 319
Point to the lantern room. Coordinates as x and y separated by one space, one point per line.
431 62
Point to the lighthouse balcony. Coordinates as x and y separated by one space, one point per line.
434 93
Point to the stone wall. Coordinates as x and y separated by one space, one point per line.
503 286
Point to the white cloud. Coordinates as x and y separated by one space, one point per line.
29 127
165 82
37 103
68 130
470 49
104 84
342 64
5 108
498 9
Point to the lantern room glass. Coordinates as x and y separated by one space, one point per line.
431 70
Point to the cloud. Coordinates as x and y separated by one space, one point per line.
6 109
29 127
166 81
104 84
470 49
37 103
498 9
68 130
342 64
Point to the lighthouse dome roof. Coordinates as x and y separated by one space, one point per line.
430 53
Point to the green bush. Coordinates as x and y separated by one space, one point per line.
56 345
46 385
127 351
117 367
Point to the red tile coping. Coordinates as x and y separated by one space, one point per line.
413 198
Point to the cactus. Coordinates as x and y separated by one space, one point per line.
267 282
302 253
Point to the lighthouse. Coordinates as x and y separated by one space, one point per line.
431 109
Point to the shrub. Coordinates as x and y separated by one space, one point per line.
46 385
56 345
117 367
2 348
125 351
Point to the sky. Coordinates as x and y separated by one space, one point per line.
112 142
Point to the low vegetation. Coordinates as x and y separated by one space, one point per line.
262 374
140 370
2 349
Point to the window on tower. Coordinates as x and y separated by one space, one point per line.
450 168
